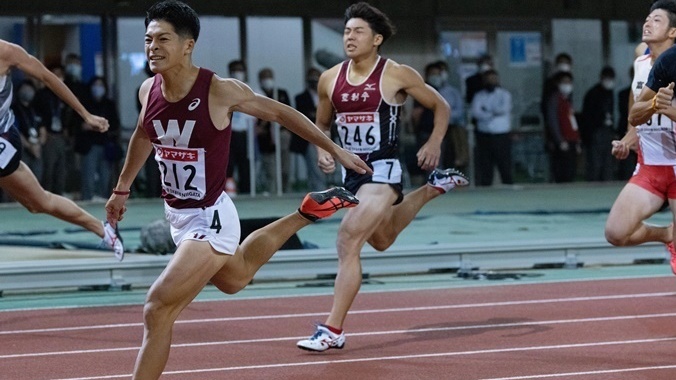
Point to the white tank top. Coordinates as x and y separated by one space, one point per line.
657 137
6 114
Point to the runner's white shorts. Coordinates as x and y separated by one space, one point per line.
218 224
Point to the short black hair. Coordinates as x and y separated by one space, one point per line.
562 74
376 19
184 19
607 72
236 64
564 56
668 6
430 66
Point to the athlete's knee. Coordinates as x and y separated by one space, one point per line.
233 286
155 313
381 243
615 237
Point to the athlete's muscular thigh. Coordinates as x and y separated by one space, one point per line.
633 205
191 267
361 222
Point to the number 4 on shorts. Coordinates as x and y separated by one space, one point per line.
216 222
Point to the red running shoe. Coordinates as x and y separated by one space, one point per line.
672 253
322 204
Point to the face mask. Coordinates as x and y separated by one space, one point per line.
485 67
239 75
444 76
435 81
566 88
26 95
74 70
491 87
608 84
268 84
563 67
98 91
312 84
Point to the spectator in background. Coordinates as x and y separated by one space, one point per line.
474 83
455 148
597 128
562 127
73 77
625 167
563 63
99 151
422 119
492 110
50 109
266 137
72 121
306 103
241 125
33 133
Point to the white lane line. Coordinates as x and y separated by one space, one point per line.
398 357
362 334
353 312
599 372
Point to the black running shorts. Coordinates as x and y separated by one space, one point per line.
11 137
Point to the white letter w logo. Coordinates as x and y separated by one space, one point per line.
173 136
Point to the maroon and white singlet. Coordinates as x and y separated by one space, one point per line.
191 153
368 126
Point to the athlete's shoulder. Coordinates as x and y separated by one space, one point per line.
401 72
668 57
229 85
642 58
332 73
327 79
144 90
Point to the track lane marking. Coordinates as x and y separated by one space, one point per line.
362 334
352 312
599 372
398 357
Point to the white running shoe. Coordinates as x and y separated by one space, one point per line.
322 340
445 180
113 240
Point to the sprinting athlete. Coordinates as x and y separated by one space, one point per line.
366 93
185 116
654 179
15 176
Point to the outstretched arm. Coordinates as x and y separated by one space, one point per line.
15 55
268 109
137 152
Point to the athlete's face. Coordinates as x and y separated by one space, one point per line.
164 48
359 38
656 27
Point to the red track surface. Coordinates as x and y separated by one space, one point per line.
612 329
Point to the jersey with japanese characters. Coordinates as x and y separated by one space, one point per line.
191 152
367 125
657 137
